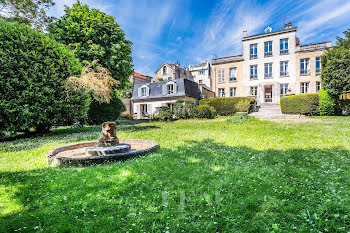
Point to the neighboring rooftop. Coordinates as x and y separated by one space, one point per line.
138 75
223 60
314 47
287 28
185 87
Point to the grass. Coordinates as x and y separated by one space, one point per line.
208 176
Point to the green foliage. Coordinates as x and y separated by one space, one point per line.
326 103
33 71
163 113
101 112
184 109
336 67
343 107
205 111
304 104
238 118
243 106
92 34
29 12
225 106
126 90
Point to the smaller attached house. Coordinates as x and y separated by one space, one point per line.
148 97
201 74
167 71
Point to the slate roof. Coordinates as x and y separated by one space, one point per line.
185 87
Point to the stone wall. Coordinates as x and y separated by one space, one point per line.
127 103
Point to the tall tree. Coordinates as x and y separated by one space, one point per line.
336 67
29 12
93 35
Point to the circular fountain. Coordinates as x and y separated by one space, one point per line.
108 149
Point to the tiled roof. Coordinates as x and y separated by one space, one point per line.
138 75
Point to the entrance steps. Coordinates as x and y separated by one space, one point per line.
271 111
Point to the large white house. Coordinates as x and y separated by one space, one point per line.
201 73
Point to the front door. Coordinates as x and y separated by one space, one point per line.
268 94
143 110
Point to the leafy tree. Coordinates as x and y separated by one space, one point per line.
336 67
92 35
28 12
33 72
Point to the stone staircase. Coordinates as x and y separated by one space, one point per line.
271 111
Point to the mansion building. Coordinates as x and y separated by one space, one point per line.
273 65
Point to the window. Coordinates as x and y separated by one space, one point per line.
170 88
254 91
233 91
268 70
233 72
284 89
284 68
318 86
201 72
170 78
164 70
304 88
253 51
221 92
268 48
254 72
318 65
143 91
305 66
200 81
221 76
284 46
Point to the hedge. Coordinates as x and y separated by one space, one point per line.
205 111
304 104
33 71
225 106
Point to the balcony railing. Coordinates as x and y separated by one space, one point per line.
284 73
253 56
304 72
318 71
268 75
253 76
268 54
284 51
233 79
321 45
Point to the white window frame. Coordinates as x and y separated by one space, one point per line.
268 70
254 74
253 90
233 91
145 89
284 68
221 92
253 51
221 75
201 72
304 87
318 86
268 48
233 74
284 44
283 89
318 69
305 66
165 70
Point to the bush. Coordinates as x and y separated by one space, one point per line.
225 106
163 113
304 104
184 109
33 71
343 107
238 118
205 111
326 103
101 112
243 106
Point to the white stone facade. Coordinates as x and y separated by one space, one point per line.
201 74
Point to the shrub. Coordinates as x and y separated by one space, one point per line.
238 118
33 71
343 107
326 103
101 112
163 113
184 109
243 106
205 111
304 104
225 106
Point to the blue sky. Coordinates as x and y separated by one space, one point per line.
198 30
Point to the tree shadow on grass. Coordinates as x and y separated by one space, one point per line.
258 190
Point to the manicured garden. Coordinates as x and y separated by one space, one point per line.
208 176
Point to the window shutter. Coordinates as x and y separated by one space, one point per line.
139 92
147 91
164 89
149 110
175 88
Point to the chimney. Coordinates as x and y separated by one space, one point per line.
288 26
245 33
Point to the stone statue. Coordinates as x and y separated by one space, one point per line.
109 134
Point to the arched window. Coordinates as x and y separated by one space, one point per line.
164 70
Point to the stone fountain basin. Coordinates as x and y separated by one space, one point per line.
75 154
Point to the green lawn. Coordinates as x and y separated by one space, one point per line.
208 176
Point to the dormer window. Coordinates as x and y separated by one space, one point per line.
169 88
164 70
143 91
